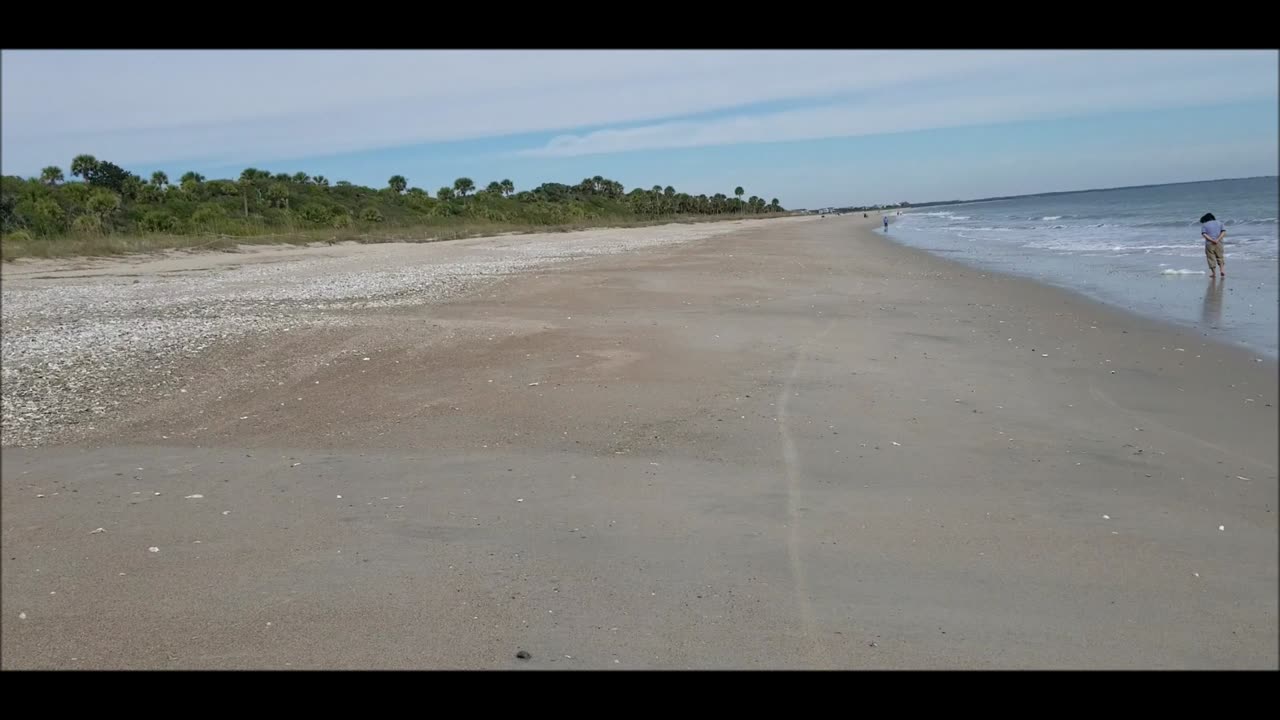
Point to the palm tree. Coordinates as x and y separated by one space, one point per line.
397 183
190 181
463 185
278 195
774 206
445 193
300 178
51 175
83 165
320 180
739 192
508 187
159 179
494 188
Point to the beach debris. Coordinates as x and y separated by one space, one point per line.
519 499
22 616
99 530
197 496
295 465
1241 477
534 384
523 655
153 549
40 496
226 512
1106 517
1222 528
896 443
339 497
364 358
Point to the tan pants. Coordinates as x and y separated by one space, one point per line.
1213 253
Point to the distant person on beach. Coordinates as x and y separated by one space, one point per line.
886 223
1213 232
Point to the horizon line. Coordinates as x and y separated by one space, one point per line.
1085 190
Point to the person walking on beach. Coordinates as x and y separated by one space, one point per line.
886 223
1213 232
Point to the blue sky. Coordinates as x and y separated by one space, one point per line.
811 128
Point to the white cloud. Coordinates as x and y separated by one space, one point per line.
1051 90
138 107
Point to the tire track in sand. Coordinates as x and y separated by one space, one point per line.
791 460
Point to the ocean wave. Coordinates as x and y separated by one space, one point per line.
1084 245
1171 271
1051 217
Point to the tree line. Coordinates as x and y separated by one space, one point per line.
103 199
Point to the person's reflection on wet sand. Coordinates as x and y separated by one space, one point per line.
1211 315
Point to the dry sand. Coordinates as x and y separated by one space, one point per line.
789 444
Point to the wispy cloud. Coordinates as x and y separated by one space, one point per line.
140 107
1055 89
157 106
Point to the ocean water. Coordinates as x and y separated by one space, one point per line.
1137 248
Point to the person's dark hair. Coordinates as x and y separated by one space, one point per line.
1207 217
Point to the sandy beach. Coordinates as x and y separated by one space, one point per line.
772 444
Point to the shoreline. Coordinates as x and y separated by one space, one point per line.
792 445
1168 325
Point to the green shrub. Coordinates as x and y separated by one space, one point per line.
159 221
87 225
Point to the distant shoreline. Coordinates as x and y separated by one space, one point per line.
1055 193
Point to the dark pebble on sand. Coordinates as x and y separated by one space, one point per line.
523 655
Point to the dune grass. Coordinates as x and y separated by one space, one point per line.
18 245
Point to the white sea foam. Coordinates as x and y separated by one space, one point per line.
1171 271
